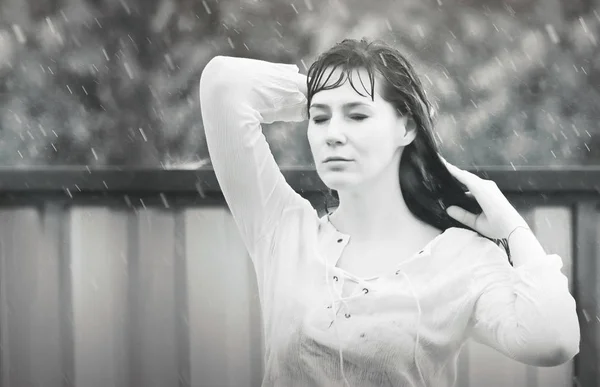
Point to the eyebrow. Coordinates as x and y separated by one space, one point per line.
345 106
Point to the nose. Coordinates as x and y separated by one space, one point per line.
335 133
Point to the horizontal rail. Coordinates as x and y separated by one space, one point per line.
73 180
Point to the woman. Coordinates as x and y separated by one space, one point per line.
385 290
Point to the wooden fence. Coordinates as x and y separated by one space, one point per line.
140 278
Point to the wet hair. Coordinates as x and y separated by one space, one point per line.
427 186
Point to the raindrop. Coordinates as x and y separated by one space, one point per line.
19 33
51 25
308 4
552 33
304 64
94 153
246 47
143 134
98 22
169 61
230 42
84 90
584 25
587 147
69 193
420 31
206 8
105 185
105 54
200 190
586 315
294 8
70 91
143 204
164 200
553 153
388 24
54 147
20 154
64 16
128 70
124 4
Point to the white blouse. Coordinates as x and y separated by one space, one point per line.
326 327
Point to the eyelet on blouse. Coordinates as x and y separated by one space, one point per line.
365 290
347 315
335 277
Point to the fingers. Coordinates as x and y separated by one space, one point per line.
463 216
471 180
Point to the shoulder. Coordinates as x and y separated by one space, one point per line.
460 244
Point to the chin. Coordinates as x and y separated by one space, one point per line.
337 181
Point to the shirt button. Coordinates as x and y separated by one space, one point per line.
335 277
340 240
347 315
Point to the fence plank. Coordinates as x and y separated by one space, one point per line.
587 272
153 323
31 334
220 300
99 280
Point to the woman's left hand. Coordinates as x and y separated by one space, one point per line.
498 218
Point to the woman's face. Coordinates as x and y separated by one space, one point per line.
368 135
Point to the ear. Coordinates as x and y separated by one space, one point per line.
408 130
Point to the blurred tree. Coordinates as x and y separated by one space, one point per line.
97 82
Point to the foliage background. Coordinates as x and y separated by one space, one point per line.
114 82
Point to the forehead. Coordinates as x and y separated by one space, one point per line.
345 92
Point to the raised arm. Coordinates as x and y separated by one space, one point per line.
526 312
236 96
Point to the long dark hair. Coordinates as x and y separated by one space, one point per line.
427 186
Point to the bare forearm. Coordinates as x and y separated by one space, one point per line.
524 246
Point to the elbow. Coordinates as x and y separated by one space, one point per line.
215 76
567 349
560 352
558 356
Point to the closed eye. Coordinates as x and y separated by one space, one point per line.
319 120
358 117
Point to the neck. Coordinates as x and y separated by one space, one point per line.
374 212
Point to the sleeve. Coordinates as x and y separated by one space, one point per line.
236 96
527 312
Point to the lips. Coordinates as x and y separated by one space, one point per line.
336 159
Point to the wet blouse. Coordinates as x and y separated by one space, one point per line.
326 327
